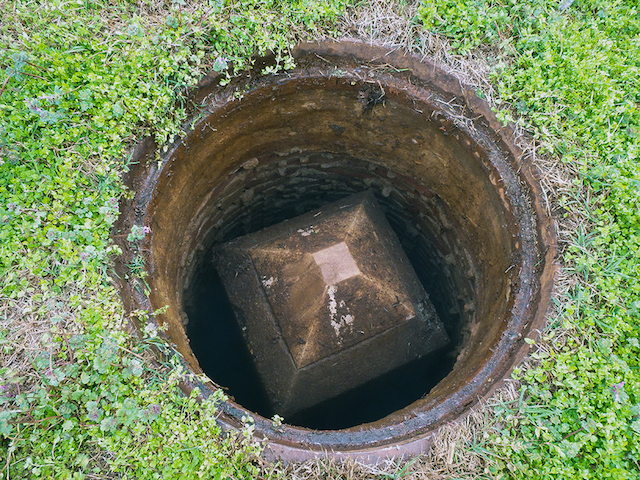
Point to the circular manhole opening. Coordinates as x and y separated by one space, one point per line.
463 205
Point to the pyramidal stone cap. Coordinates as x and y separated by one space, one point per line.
326 302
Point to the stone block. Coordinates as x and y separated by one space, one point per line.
327 301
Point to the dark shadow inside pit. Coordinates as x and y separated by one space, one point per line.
217 342
320 179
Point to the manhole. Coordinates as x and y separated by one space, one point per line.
463 205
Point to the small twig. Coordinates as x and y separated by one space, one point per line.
22 421
205 15
322 58
65 336
33 75
28 74
6 468
572 433
4 84
36 66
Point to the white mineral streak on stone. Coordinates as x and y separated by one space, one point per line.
345 320
333 305
336 326
307 232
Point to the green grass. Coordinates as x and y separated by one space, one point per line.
80 83
572 71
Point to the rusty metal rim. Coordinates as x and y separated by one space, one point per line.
413 434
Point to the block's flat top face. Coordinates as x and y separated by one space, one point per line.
330 278
336 263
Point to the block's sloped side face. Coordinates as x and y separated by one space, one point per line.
337 302
256 321
367 360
